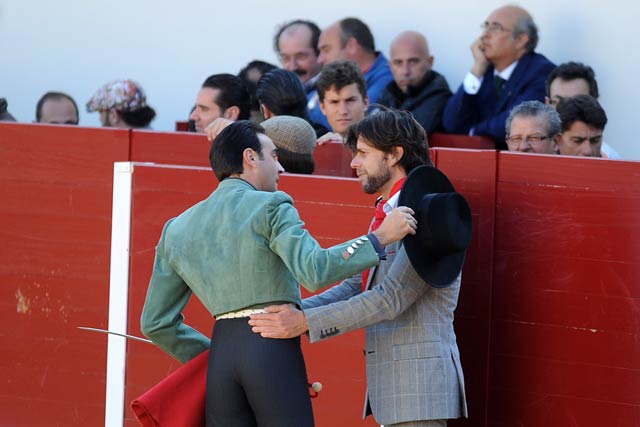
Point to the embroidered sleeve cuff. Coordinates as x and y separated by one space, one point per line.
382 255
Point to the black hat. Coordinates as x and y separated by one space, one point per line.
438 248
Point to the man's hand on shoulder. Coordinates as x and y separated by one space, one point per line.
396 225
279 321
215 127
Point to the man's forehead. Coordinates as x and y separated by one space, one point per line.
530 124
585 129
568 88
408 46
344 92
208 95
506 15
363 144
266 142
299 33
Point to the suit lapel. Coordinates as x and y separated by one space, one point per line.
372 273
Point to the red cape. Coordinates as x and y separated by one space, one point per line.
178 400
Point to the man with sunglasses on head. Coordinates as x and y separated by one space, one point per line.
506 72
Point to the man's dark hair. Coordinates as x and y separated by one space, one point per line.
388 128
233 92
315 34
353 27
247 77
282 92
339 74
581 108
139 118
56 96
573 71
226 151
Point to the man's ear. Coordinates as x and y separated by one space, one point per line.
114 117
556 141
396 155
322 108
266 112
522 40
352 45
249 157
231 113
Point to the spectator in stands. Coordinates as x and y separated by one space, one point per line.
280 92
296 43
250 75
238 250
343 98
57 108
583 122
416 87
571 79
221 95
5 116
533 127
350 39
122 104
295 139
414 374
506 72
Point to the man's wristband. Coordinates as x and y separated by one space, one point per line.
382 255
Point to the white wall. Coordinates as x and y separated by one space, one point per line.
170 47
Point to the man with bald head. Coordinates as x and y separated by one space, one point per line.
415 87
506 72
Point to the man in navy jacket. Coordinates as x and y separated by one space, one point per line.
506 72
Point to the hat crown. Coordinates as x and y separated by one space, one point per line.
444 221
291 133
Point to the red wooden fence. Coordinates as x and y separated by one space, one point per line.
548 320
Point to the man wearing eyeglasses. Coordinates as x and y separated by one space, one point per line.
533 127
506 71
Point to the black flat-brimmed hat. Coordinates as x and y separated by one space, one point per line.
437 250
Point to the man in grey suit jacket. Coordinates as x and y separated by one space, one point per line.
414 375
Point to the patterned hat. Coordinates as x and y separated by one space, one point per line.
290 133
119 95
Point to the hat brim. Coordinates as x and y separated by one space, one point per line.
437 271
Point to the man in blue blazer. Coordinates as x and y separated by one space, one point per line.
407 303
506 72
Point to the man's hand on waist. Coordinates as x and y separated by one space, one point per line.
279 321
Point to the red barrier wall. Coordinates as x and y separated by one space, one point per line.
55 226
547 322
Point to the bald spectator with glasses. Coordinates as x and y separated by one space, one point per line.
506 72
533 127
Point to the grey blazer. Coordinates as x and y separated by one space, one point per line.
413 363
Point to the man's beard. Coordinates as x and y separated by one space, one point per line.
375 182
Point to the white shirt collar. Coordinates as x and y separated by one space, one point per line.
391 204
506 73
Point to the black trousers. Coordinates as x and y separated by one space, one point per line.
254 381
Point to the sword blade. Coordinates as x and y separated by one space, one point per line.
104 331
